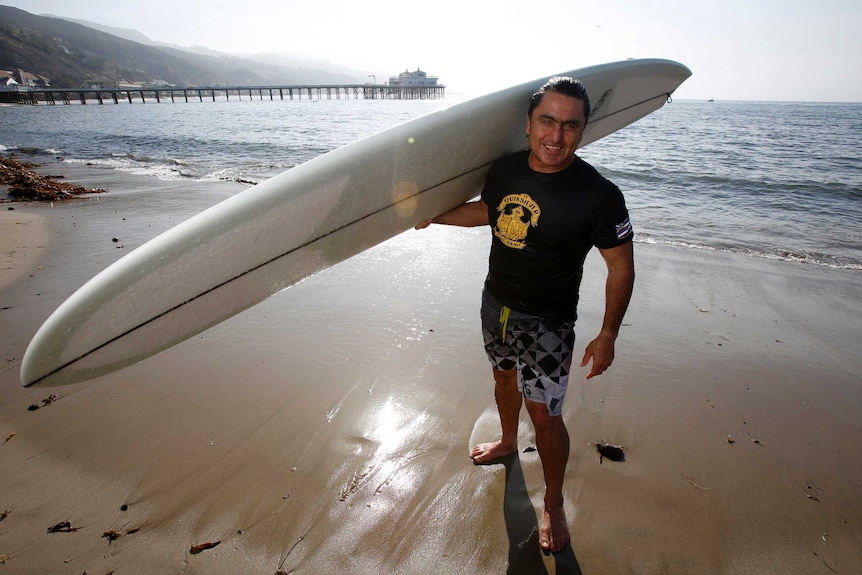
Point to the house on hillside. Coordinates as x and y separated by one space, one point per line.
123 84
24 79
8 81
412 79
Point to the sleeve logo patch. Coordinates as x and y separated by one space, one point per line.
623 229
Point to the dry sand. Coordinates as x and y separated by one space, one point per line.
327 429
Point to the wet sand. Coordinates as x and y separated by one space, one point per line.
23 236
327 429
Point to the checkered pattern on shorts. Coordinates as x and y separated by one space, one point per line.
539 348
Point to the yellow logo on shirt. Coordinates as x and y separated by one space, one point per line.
518 213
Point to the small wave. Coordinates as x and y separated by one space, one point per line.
229 175
147 160
247 174
172 169
781 255
169 170
30 151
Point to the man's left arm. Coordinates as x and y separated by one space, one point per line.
618 292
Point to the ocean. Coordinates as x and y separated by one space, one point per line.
766 179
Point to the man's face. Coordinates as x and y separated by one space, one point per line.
555 130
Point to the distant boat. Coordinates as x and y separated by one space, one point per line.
710 100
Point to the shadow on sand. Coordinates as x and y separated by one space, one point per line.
525 555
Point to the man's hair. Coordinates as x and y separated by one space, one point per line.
562 85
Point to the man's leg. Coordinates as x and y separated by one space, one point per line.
509 407
552 442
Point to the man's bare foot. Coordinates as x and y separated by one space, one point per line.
554 533
491 452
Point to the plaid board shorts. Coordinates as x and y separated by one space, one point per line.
539 348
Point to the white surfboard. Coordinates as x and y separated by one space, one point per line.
255 244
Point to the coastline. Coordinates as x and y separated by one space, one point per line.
286 437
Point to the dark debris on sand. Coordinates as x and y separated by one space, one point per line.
25 185
608 451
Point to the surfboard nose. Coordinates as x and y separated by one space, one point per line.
41 364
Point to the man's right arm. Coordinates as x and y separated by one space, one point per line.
467 215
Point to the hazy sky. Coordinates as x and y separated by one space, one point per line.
742 50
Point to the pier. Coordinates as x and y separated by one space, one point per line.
53 96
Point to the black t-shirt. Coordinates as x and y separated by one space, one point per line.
543 227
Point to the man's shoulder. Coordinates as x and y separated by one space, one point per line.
511 162
584 169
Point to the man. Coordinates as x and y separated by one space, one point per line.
547 209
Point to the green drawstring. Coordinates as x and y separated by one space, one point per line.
504 319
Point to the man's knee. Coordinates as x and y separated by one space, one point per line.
542 418
506 379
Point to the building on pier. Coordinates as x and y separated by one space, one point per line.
413 79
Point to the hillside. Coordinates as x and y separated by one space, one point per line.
71 55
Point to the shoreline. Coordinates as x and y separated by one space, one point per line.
286 437
95 174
